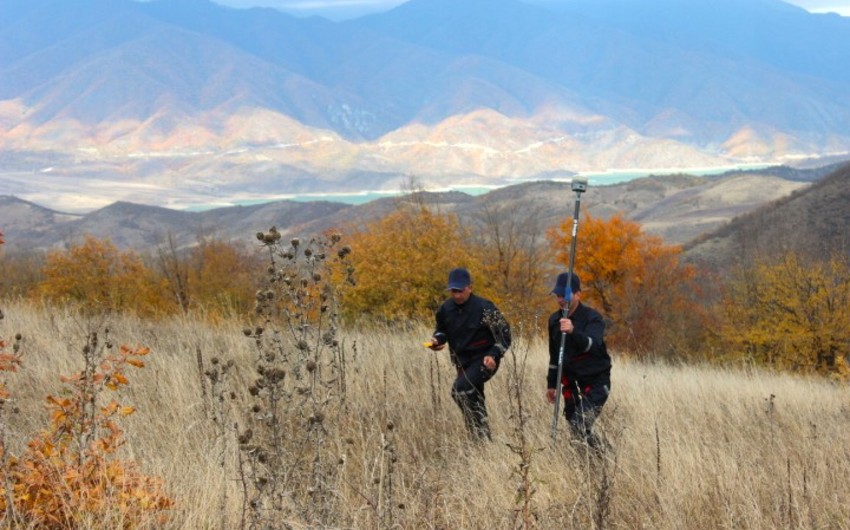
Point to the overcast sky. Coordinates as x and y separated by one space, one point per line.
337 9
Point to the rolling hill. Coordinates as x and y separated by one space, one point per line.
677 208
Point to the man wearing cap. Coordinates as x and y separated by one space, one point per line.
586 374
478 336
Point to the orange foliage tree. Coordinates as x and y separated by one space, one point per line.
790 314
98 277
402 262
651 298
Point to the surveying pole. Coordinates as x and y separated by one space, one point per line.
579 186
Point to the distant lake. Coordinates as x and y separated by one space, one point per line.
616 177
593 179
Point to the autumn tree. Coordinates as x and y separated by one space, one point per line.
790 314
221 278
98 277
402 261
516 266
213 277
651 298
20 272
173 265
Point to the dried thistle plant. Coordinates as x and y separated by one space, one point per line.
286 436
520 443
217 406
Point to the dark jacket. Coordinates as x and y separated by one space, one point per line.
586 358
470 337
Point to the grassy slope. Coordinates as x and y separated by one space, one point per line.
695 447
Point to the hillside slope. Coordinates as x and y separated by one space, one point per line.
813 220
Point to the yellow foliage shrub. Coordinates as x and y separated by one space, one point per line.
96 276
402 262
790 314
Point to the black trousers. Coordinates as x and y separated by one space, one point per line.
468 393
583 402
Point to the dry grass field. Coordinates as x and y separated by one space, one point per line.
692 447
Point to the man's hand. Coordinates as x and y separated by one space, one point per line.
490 363
566 325
550 395
435 344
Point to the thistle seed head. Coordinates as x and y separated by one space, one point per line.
275 374
246 436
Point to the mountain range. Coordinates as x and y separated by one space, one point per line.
180 102
696 211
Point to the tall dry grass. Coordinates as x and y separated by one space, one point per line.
693 447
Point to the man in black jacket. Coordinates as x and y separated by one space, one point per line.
478 336
586 375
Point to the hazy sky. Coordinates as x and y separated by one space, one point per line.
348 8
